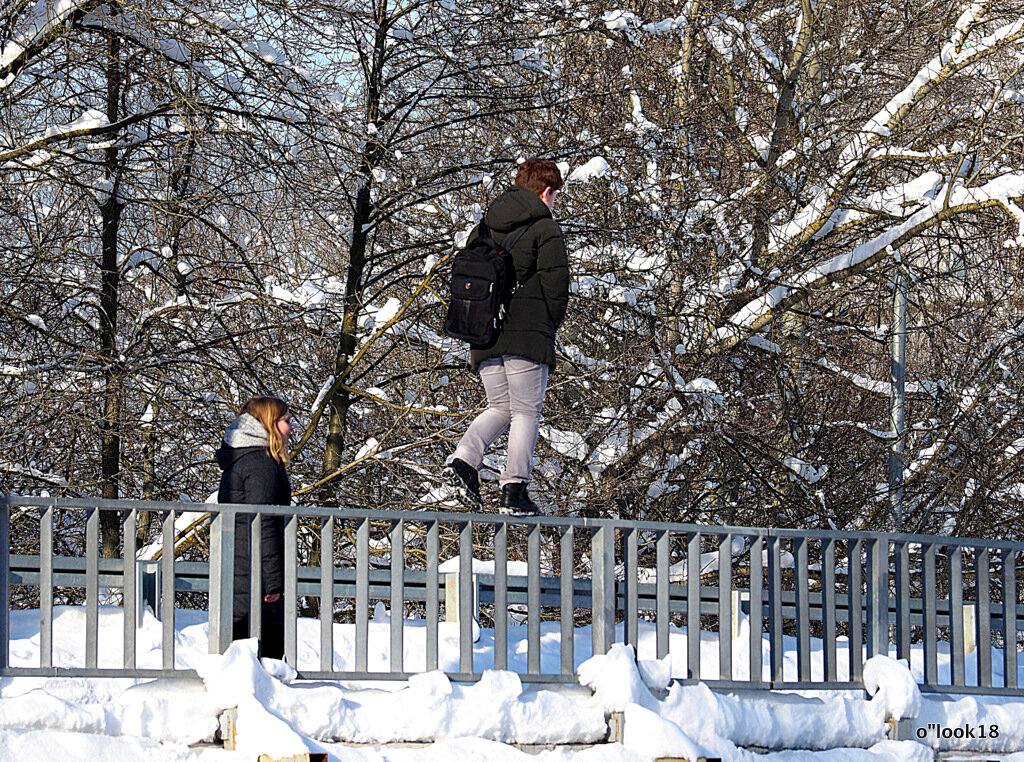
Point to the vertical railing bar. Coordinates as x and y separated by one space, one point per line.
466 612
756 609
327 594
533 613
433 604
1009 618
828 608
602 588
630 580
902 552
610 591
291 590
255 524
256 577
775 622
663 612
501 596
5 590
92 576
803 611
222 580
931 658
129 589
398 595
693 605
878 596
362 593
983 614
167 590
855 611
725 607
567 631
956 614
46 589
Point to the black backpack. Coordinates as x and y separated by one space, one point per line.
483 282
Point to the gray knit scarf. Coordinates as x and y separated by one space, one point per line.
246 431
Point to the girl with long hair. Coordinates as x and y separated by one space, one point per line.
253 457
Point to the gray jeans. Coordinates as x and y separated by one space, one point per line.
515 390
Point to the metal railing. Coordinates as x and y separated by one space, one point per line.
754 605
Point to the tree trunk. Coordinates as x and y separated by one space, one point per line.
341 400
684 103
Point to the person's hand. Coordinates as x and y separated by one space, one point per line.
271 597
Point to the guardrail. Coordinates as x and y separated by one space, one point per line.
767 596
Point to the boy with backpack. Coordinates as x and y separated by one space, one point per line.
519 350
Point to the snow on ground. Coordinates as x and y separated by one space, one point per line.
279 715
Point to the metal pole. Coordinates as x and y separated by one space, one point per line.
5 578
897 374
222 580
878 596
602 582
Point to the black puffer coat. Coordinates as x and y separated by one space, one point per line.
538 307
252 476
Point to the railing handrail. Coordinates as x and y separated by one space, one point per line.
314 511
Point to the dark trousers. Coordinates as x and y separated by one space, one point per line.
271 635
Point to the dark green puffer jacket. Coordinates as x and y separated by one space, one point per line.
538 307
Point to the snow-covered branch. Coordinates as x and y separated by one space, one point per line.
757 313
957 54
89 124
44 24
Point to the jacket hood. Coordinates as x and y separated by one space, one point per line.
243 436
514 208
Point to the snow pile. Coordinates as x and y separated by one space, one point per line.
971 723
652 736
33 744
276 714
162 711
709 724
512 568
892 684
596 167
775 721
106 719
618 687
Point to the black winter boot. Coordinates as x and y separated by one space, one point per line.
516 502
464 481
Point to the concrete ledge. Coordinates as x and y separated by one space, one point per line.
616 725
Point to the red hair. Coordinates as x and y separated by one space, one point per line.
536 174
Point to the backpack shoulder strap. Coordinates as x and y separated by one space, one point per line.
507 248
511 240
